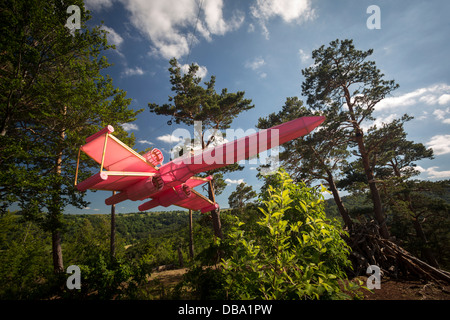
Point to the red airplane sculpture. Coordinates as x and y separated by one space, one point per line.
139 177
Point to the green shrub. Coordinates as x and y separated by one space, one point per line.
294 251
25 259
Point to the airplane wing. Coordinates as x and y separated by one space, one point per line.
124 166
182 195
198 202
113 180
180 169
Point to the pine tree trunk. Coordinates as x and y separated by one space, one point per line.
58 266
54 213
374 192
215 214
342 209
180 257
191 236
113 230
427 255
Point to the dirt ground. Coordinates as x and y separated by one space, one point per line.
391 289
169 277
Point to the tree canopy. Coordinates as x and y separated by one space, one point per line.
345 87
194 102
53 96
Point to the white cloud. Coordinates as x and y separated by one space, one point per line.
444 99
230 181
165 23
169 138
213 10
289 10
423 116
132 72
112 36
98 4
440 144
255 64
145 142
161 22
379 121
129 126
201 72
443 115
89 208
432 95
304 57
433 173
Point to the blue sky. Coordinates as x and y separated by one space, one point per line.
260 47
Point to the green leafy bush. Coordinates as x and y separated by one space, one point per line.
106 278
294 251
25 259
103 277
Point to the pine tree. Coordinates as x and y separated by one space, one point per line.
239 198
193 102
316 156
53 96
345 87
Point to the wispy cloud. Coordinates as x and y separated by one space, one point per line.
129 126
215 23
237 181
289 10
255 64
98 4
113 37
201 72
169 138
304 57
437 94
440 144
433 173
132 72
442 115
89 208
379 121
170 24
145 142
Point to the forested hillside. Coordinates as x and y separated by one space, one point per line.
144 241
436 220
133 227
